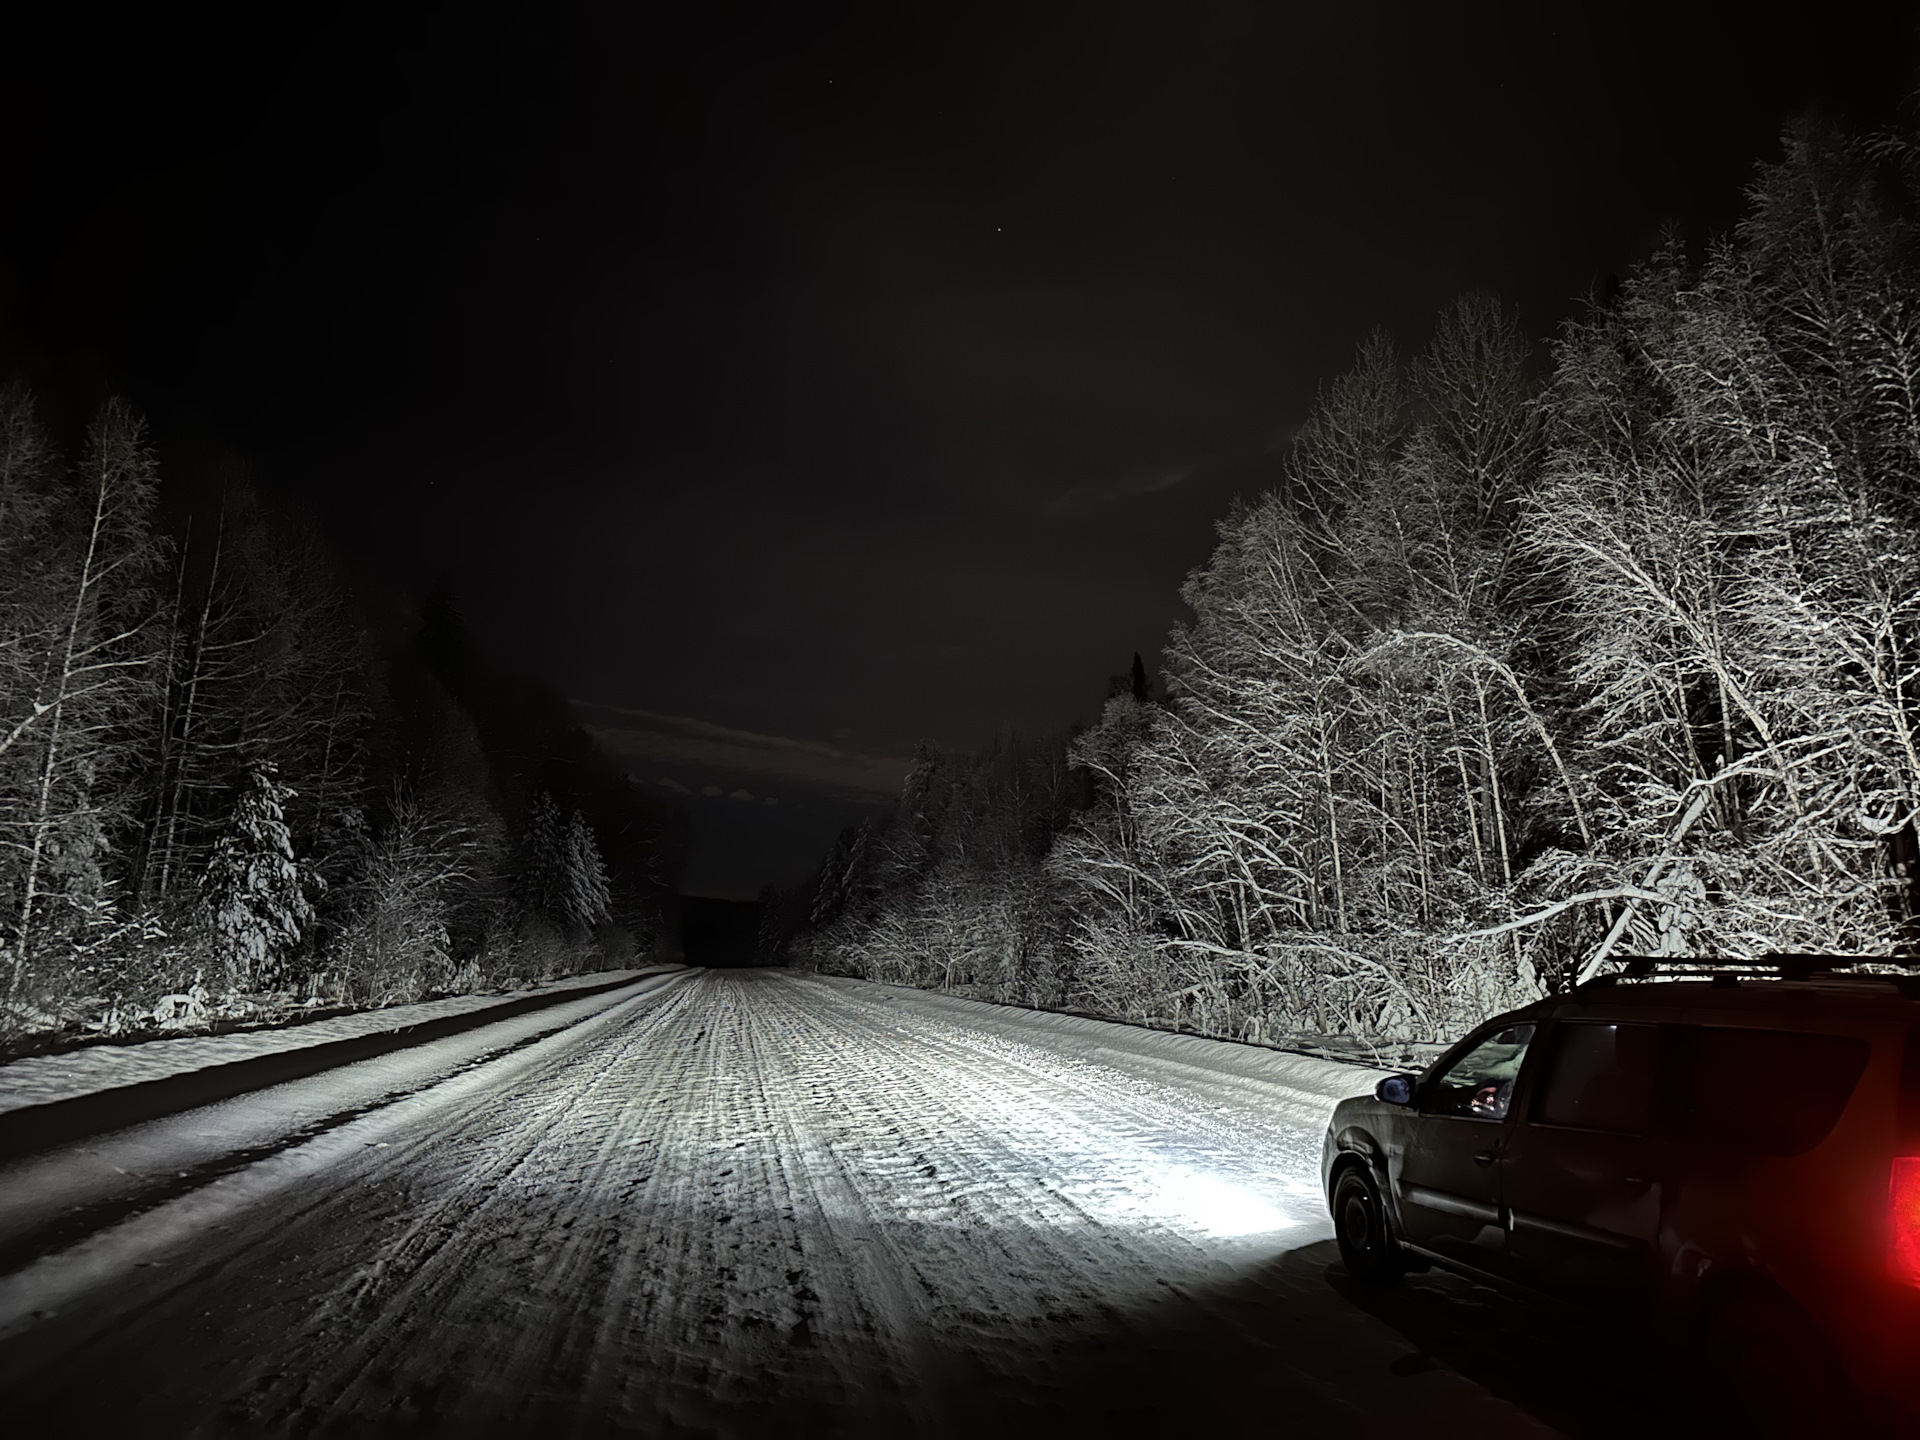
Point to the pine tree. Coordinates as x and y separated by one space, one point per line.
254 891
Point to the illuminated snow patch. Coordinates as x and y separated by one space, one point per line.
1216 1207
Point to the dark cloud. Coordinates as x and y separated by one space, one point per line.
644 735
1141 482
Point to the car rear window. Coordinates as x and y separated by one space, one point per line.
1599 1077
1774 1092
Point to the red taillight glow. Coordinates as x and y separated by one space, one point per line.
1903 1204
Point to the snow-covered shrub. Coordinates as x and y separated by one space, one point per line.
396 946
614 948
542 950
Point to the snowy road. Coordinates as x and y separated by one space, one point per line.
751 1203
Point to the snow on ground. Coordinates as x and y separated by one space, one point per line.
751 1203
1173 1057
39 1079
49 1200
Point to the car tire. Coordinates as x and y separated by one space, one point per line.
1774 1367
1363 1231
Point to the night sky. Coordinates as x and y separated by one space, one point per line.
786 386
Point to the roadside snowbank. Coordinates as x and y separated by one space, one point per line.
42 1079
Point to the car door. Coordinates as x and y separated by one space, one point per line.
1580 1180
1449 1182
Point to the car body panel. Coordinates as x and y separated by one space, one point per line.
1582 1208
1657 1218
1582 1190
1449 1187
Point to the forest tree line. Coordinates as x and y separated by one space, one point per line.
1524 664
231 782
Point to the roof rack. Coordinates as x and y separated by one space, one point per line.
1776 964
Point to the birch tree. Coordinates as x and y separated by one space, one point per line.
81 636
1732 515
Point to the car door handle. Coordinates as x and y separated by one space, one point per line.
1639 1182
1482 1157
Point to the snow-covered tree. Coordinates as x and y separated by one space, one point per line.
562 878
76 668
254 891
158 659
1734 525
262 658
1341 782
544 861
587 900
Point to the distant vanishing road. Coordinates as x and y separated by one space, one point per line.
749 1203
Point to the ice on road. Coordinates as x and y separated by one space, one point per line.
754 1203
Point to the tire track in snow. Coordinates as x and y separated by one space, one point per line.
759 1205
1251 1128
551 1138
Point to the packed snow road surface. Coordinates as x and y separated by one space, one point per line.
750 1203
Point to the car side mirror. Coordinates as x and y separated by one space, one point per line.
1395 1090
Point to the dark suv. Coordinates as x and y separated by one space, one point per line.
1736 1154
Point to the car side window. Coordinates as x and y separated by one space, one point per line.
1479 1084
1598 1077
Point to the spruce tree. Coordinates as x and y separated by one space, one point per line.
587 900
254 890
543 862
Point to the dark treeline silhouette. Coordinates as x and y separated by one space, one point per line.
1516 668
229 784
719 933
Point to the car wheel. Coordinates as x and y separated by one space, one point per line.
1776 1369
1361 1229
